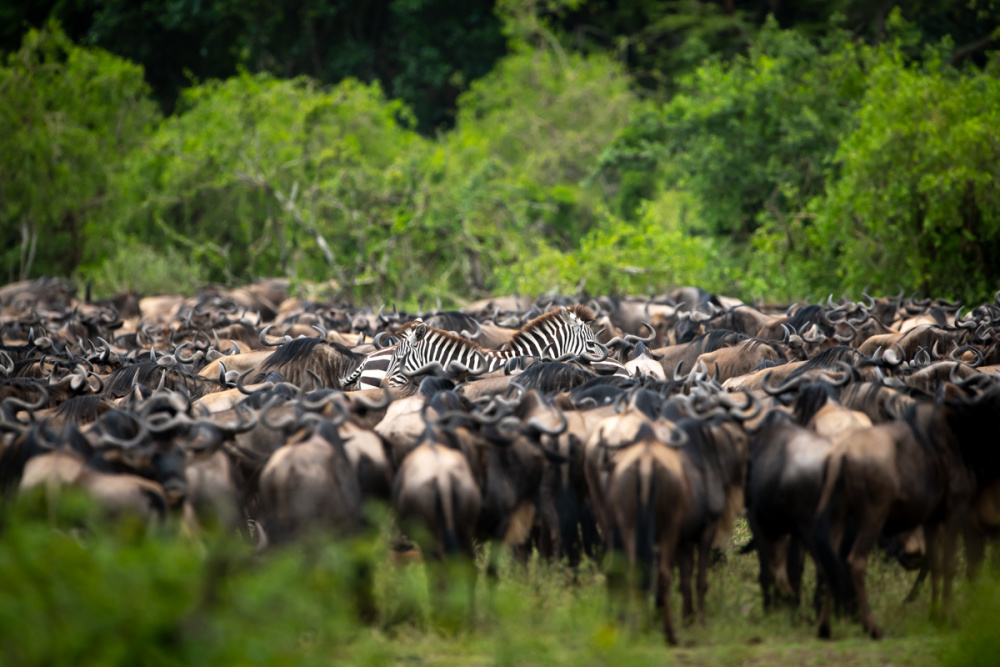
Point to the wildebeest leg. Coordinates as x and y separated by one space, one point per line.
618 566
932 533
869 529
975 550
704 554
685 567
823 621
919 581
949 549
667 550
794 565
764 559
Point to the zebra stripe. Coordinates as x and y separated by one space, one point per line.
422 345
371 371
552 335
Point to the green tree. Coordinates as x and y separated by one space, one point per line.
259 176
68 117
916 202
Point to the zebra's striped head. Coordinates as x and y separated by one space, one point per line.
580 338
410 335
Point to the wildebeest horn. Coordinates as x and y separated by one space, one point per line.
972 348
748 411
322 332
162 422
780 389
194 357
316 379
319 403
515 364
871 301
18 404
678 377
7 367
108 439
536 424
615 342
377 340
373 405
278 425
267 386
596 358
629 338
281 341
847 339
242 425
471 335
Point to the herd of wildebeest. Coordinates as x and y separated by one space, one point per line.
634 430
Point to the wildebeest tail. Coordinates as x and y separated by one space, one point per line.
645 529
568 511
824 552
445 501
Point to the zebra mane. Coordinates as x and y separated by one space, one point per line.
582 312
448 335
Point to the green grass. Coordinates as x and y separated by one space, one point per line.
540 616
169 601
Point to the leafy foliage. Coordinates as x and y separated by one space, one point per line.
792 163
917 202
68 116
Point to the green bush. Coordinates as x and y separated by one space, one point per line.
259 176
917 202
68 117
653 253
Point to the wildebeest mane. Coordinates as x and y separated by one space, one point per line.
148 373
82 409
827 359
813 314
811 398
552 376
290 352
452 320
711 341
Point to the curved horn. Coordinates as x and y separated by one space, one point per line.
596 358
629 338
469 334
536 424
263 339
678 377
377 340
780 389
972 348
749 411
7 367
43 399
108 439
267 386
276 425
373 405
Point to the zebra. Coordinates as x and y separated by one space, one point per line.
555 334
371 371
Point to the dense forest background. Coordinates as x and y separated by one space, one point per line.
409 149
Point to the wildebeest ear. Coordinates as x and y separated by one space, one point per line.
421 331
